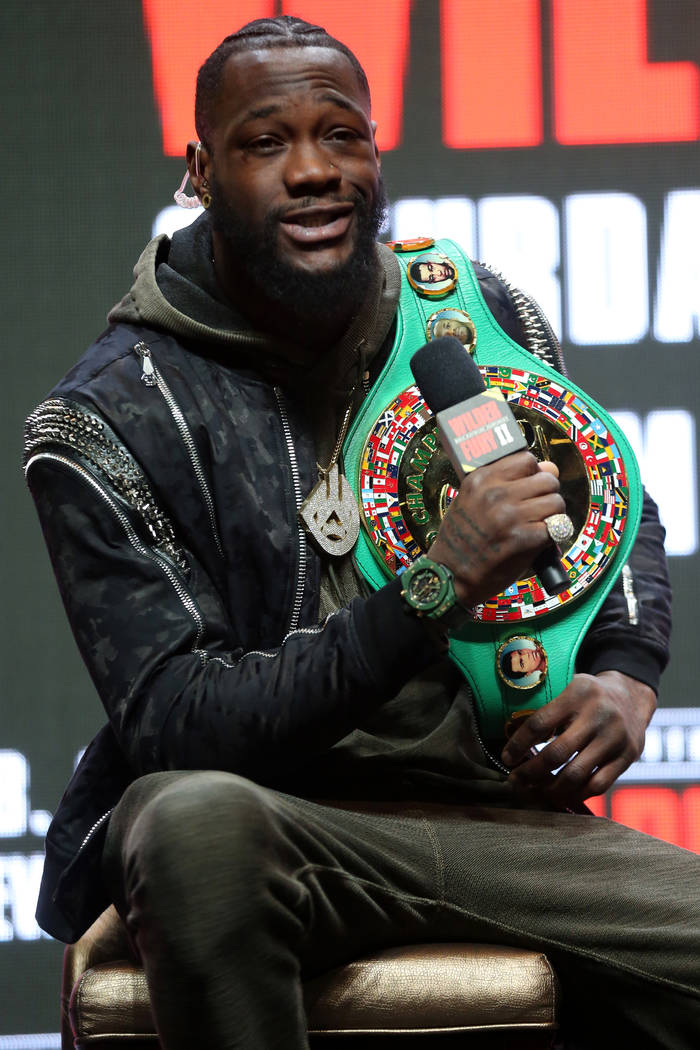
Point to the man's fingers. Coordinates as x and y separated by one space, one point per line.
578 783
574 781
528 493
537 484
517 465
542 507
586 703
587 742
604 778
573 751
567 776
555 754
539 727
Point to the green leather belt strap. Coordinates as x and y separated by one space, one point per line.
561 629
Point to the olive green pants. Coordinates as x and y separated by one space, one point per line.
232 893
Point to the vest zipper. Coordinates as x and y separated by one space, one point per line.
477 731
152 377
301 535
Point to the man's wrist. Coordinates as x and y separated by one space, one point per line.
631 689
428 593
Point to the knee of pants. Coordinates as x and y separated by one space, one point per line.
203 868
207 831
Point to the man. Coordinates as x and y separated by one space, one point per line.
526 661
248 676
432 272
451 326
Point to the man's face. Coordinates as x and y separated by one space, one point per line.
432 272
525 660
450 326
295 178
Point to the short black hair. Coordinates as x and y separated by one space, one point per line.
414 269
285 31
522 674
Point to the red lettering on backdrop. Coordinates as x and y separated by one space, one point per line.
181 37
606 90
653 810
665 813
180 43
378 34
691 819
491 73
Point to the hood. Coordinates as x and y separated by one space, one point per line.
175 289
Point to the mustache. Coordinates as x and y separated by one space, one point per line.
308 203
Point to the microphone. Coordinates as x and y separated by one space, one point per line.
476 425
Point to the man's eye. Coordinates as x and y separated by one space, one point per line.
343 135
263 144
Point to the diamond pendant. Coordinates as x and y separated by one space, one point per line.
330 513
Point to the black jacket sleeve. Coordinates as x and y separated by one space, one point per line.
632 629
178 690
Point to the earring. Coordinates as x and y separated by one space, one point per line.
206 196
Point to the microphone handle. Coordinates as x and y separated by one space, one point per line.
552 574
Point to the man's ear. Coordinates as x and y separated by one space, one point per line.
198 165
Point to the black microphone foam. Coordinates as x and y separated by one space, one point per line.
445 373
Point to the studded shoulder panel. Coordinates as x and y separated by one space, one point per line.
539 334
60 425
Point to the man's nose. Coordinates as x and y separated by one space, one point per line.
309 167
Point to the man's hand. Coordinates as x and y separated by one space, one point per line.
495 525
599 722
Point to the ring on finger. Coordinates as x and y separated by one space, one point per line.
560 527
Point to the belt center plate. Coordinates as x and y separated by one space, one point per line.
407 484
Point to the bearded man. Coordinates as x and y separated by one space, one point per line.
248 674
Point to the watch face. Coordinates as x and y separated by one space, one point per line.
426 588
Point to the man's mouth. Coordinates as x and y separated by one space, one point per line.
319 223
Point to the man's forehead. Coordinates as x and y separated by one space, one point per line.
260 79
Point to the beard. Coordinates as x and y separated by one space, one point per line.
306 294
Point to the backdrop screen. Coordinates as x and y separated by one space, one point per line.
557 141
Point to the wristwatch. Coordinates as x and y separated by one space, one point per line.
428 590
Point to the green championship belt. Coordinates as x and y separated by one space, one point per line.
518 650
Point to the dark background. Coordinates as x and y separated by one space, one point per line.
84 177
